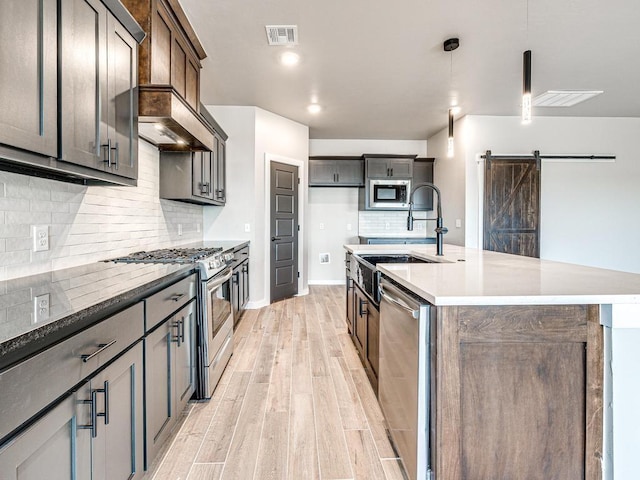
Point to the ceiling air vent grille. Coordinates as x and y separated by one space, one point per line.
564 98
282 34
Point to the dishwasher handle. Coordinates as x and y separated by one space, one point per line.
398 298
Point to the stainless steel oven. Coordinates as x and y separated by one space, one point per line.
389 194
216 332
215 310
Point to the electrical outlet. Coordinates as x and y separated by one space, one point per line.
197 228
41 308
348 227
387 226
247 227
325 258
322 226
458 223
179 229
40 238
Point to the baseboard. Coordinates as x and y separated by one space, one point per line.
257 304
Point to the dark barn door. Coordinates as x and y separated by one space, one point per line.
512 205
284 231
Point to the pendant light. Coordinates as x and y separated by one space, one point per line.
526 79
449 46
450 137
526 87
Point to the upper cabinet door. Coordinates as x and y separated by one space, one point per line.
28 95
84 82
123 100
377 168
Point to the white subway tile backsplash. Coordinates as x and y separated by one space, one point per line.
88 224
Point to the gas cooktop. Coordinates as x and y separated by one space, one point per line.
169 255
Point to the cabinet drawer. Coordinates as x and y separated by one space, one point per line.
33 384
162 304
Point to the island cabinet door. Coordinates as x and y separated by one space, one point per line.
359 334
518 392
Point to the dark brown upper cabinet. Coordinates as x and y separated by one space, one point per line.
169 77
387 166
69 106
336 171
98 90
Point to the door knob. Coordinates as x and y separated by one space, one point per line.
273 239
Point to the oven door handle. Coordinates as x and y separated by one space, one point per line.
216 281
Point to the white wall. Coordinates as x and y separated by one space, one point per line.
253 134
88 224
449 177
337 207
589 209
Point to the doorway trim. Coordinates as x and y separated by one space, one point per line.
302 193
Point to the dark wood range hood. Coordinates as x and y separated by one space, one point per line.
169 112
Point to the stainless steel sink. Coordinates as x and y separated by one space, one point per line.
374 259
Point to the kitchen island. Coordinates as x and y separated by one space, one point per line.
521 366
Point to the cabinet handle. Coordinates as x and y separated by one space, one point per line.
176 338
101 348
177 296
337 177
236 278
362 303
93 425
105 391
182 322
116 156
107 146
204 187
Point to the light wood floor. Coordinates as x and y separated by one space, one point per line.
294 403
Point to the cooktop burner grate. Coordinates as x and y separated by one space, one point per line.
169 255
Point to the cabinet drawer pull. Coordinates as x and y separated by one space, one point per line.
101 348
177 296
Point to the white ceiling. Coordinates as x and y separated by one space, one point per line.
379 70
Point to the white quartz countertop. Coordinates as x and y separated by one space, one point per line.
468 276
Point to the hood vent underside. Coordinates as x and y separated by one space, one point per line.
282 34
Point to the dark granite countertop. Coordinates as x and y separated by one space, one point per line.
78 297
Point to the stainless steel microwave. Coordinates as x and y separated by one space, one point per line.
387 194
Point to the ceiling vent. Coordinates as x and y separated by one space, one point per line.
564 98
282 34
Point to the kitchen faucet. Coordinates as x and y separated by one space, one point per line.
440 230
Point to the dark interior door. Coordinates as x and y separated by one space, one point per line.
512 205
284 231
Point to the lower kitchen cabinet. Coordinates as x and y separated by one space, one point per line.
117 399
350 303
96 432
240 282
170 375
372 350
365 330
359 334
53 447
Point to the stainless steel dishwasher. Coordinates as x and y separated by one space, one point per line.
405 376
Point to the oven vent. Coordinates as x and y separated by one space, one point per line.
282 34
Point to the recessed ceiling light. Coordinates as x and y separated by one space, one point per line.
314 108
455 110
289 58
564 98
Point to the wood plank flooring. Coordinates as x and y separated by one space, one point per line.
294 403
